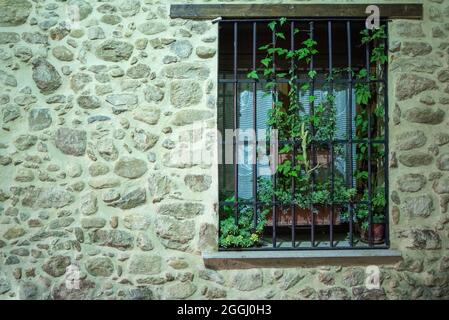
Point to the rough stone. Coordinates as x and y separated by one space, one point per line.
185 117
46 76
107 149
151 28
119 239
144 264
114 50
205 52
88 102
186 70
39 119
93 223
184 210
14 12
424 115
144 140
422 239
411 140
246 280
174 233
25 141
131 199
415 48
138 71
443 162
418 206
62 53
181 290
415 159
130 168
123 99
182 48
9 37
198 182
100 267
148 115
56 266
409 85
71 141
184 93
411 182
13 233
88 204
84 9
98 169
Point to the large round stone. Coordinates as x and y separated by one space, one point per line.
410 140
144 264
425 115
184 93
411 182
89 102
420 206
130 168
62 53
150 28
79 9
182 48
443 162
415 159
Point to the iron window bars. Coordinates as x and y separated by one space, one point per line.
230 82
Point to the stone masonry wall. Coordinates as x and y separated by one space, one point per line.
94 111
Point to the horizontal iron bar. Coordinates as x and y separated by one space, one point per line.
316 142
268 248
310 11
286 204
317 81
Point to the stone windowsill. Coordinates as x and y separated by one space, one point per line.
251 259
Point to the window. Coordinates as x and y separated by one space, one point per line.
302 110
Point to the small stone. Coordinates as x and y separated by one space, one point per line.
198 183
114 222
24 175
111 19
414 49
95 33
138 71
10 113
45 76
424 115
25 141
246 280
9 37
98 169
411 182
93 223
174 233
143 242
39 119
114 50
119 239
79 80
104 183
411 140
182 48
184 93
186 70
71 141
150 28
130 168
409 85
62 53
35 38
420 206
205 52
143 140
131 199
183 210
83 8
443 162
88 102
122 99
100 267
107 149
129 8
144 264
88 204
415 159
443 76
56 266
409 29
13 233
441 138
148 115
181 290
185 117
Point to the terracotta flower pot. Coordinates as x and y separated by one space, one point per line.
378 234
304 216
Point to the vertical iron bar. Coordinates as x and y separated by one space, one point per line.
370 209
312 111
292 66
274 88
331 144
254 164
235 135
350 115
386 139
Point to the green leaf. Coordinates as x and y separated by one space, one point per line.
252 75
272 25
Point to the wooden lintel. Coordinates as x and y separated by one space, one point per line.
242 11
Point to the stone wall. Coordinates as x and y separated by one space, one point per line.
92 112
